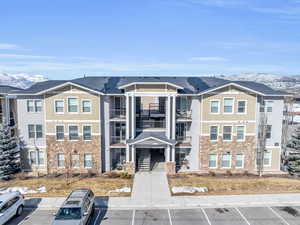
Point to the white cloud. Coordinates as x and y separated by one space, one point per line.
8 46
20 56
209 59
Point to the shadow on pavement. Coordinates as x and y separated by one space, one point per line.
101 203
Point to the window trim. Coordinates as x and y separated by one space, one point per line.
87 125
56 100
230 135
60 125
233 102
219 106
78 106
270 161
230 164
34 105
210 133
57 158
78 132
35 131
217 156
75 167
87 153
243 161
246 107
236 129
91 106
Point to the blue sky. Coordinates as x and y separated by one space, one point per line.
64 39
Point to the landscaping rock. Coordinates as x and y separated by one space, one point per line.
187 189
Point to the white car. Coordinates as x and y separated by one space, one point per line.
11 204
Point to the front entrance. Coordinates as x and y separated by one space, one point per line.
150 159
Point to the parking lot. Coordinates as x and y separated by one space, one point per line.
200 216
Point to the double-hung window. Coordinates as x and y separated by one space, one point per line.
213 133
269 106
60 132
73 132
268 131
36 158
240 133
241 106
228 105
86 106
38 105
35 131
239 163
226 161
87 132
227 133
75 161
59 106
88 160
61 160
267 158
34 106
215 106
212 160
73 105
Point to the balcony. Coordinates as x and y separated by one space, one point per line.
184 115
117 141
184 141
118 113
150 124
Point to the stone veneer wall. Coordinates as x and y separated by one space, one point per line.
170 168
247 147
73 147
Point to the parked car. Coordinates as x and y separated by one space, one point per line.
76 209
11 204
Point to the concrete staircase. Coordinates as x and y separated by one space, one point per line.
144 161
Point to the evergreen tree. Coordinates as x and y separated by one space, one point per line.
9 153
293 159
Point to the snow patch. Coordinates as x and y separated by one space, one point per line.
23 190
121 190
187 189
20 80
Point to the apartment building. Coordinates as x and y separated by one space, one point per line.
195 124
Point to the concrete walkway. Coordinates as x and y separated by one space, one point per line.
151 188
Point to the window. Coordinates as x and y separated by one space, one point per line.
183 104
86 106
269 106
73 132
36 158
59 106
228 105
41 159
213 133
118 132
181 157
35 131
118 157
61 160
60 132
88 160
226 161
87 132
31 131
241 106
240 133
75 161
181 131
39 131
267 158
268 131
214 106
32 158
30 106
212 161
227 133
73 105
34 106
239 161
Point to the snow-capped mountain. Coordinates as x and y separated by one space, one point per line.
20 80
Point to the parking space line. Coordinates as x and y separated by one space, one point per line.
206 216
279 216
95 221
28 216
133 217
170 217
241 214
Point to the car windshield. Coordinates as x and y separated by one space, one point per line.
68 214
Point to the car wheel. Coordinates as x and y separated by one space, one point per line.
19 210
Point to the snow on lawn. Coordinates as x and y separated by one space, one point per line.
23 190
121 190
187 189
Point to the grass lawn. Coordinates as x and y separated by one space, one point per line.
58 187
236 184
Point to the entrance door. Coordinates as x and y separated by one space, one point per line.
157 159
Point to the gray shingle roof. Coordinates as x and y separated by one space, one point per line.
5 89
190 85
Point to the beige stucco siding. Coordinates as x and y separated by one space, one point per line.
64 94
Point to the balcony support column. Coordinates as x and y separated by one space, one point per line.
127 117
174 118
133 116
